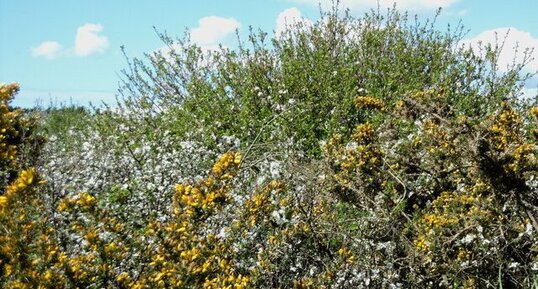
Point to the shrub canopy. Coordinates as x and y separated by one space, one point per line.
371 152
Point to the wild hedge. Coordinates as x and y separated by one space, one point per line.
371 152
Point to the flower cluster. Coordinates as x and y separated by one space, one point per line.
369 102
8 132
534 111
506 127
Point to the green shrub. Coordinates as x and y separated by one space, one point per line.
296 89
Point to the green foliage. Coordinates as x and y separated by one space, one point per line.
300 85
59 121
370 152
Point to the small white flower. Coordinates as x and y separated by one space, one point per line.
222 234
534 266
260 180
275 169
468 238
351 146
293 269
278 216
528 229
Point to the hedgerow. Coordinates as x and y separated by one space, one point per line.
371 152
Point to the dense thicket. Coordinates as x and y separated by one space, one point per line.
371 152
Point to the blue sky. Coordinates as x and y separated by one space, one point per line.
69 51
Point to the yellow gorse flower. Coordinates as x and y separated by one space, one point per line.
227 161
83 200
7 91
3 202
363 133
505 127
26 178
369 102
534 111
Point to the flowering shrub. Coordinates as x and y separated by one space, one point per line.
328 165
19 221
301 87
19 147
131 165
454 196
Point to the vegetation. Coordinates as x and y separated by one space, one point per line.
370 152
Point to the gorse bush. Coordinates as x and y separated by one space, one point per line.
452 195
19 205
371 152
19 146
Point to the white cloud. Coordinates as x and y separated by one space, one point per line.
88 41
400 4
47 49
514 38
289 17
213 30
